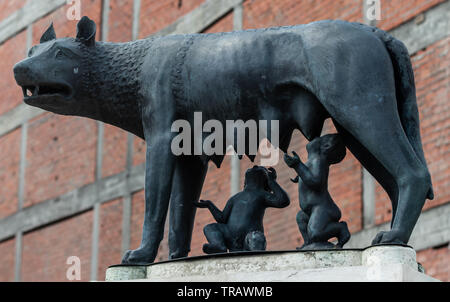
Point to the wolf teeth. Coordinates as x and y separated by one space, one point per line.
29 91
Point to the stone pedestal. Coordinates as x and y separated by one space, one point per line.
376 263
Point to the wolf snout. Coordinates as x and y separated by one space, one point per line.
22 73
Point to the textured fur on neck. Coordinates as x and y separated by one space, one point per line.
112 81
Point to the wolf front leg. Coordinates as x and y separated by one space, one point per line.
187 185
160 163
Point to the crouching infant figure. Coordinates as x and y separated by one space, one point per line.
318 220
239 226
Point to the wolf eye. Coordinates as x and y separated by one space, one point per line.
59 54
31 52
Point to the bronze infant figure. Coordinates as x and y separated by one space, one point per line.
239 226
318 220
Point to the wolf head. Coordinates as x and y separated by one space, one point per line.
51 76
82 77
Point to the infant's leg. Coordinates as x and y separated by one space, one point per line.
344 234
302 221
322 227
214 233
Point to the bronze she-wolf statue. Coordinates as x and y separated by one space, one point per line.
359 76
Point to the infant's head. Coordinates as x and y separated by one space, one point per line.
257 176
331 146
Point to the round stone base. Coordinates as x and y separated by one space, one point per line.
375 263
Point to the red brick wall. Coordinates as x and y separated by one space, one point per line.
61 151
436 262
225 24
264 13
9 173
110 244
114 150
120 20
394 13
9 7
45 251
60 156
7 250
139 149
155 15
15 50
431 68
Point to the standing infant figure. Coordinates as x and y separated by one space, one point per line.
319 217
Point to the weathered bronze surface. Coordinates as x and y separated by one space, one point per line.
359 76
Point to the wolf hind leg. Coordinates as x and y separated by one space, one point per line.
372 165
377 127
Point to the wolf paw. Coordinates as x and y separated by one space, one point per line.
389 237
139 256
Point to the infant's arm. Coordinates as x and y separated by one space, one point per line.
279 198
305 174
219 216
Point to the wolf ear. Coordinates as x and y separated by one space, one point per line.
86 30
49 34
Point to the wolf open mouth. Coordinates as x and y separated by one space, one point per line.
46 90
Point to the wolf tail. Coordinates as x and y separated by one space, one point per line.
405 93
